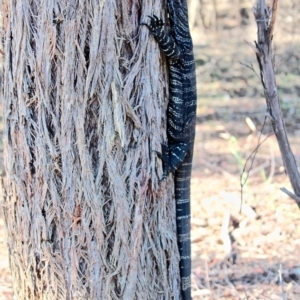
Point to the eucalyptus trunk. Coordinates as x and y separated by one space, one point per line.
85 93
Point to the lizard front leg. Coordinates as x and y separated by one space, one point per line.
172 155
166 42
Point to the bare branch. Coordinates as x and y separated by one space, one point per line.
292 195
265 25
252 46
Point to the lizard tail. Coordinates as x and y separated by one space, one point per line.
183 218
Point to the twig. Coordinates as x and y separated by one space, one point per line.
260 167
281 283
292 195
250 67
252 46
251 158
250 124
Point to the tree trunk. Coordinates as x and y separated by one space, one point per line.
85 94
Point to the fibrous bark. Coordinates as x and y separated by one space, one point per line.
85 94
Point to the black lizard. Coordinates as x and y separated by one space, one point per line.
181 116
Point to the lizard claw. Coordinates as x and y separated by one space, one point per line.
164 156
144 24
155 23
159 21
163 179
158 154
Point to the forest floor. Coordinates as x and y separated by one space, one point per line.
237 254
250 253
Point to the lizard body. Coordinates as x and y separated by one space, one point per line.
177 155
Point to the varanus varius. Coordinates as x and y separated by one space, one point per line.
181 116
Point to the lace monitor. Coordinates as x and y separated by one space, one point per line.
181 116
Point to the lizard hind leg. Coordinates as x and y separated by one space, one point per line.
177 154
164 156
172 157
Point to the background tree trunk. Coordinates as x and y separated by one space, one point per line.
85 96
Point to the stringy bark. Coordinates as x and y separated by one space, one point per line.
85 95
